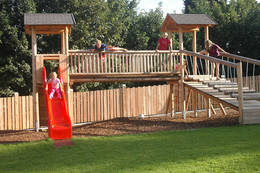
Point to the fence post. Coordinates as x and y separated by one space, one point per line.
70 105
240 91
16 112
122 106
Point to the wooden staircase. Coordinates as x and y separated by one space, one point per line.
225 93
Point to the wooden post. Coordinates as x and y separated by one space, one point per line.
240 91
65 42
35 92
62 38
206 30
70 106
172 101
122 106
16 111
194 102
208 103
194 49
222 109
182 100
170 38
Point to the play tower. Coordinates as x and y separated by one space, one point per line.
47 23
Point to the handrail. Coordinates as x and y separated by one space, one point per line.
126 52
241 58
220 61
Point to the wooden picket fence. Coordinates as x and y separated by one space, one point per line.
16 112
103 105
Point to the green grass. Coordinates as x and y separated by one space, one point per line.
224 149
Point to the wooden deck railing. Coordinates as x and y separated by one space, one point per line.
81 61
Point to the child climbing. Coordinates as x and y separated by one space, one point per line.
55 85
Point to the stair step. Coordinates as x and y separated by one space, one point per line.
224 86
248 96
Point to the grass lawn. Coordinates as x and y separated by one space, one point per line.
223 149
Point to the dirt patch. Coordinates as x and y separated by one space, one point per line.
121 126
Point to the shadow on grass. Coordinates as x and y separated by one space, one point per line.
131 153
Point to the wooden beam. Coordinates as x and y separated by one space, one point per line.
35 92
194 49
182 99
194 101
208 103
62 40
122 79
46 29
206 30
212 109
136 74
240 91
222 109
188 98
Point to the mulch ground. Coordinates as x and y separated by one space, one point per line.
121 126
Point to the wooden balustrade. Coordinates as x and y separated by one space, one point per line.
122 62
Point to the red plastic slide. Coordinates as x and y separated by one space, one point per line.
59 124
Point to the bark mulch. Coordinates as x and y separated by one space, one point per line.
121 126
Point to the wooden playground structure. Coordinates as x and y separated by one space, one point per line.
146 66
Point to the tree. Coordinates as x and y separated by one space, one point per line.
238 24
15 54
145 30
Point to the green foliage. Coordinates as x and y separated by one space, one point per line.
145 30
238 29
15 56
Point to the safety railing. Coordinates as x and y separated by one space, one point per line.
231 67
250 69
81 61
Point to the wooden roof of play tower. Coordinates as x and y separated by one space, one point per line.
187 22
48 23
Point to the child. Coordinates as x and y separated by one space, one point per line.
178 67
55 85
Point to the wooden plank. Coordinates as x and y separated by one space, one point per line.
9 113
222 109
84 107
78 115
24 112
2 120
88 114
74 107
105 105
20 113
5 113
27 112
118 103
13 113
101 105
32 118
91 106
98 105
212 109
188 98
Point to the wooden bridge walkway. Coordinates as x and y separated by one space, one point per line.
146 66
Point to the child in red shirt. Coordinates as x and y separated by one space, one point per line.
163 43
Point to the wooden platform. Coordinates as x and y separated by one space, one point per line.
225 92
124 77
